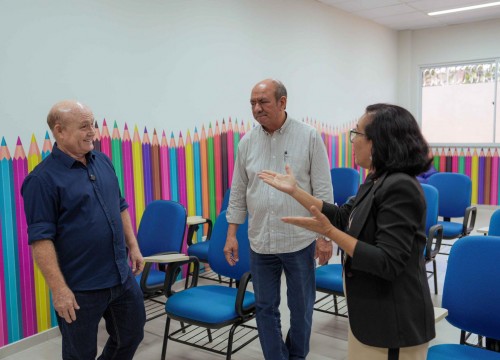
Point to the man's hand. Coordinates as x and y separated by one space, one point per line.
65 304
324 250
231 250
137 260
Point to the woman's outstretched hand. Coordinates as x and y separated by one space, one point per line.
318 223
283 182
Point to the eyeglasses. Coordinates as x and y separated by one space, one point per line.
353 133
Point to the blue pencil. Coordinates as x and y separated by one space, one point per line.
47 146
174 187
9 245
480 180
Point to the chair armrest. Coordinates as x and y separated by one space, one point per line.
192 228
240 296
147 270
435 232
469 220
173 270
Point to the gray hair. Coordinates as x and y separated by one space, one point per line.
280 90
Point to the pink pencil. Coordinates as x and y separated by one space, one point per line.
164 168
494 179
454 161
105 140
181 166
128 174
468 163
230 152
20 170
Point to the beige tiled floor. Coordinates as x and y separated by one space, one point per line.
328 337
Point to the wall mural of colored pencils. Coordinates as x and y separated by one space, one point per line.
195 170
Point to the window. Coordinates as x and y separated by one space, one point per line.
460 103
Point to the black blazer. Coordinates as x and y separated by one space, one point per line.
388 295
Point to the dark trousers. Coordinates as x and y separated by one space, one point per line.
122 307
301 292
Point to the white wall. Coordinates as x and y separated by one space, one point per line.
458 43
177 64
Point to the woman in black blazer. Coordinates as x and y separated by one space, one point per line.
382 232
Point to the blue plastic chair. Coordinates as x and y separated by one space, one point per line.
161 231
494 228
201 249
455 191
213 306
433 230
472 296
329 281
345 183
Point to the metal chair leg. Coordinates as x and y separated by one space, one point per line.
230 342
435 276
165 339
335 304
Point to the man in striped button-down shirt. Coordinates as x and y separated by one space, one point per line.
276 246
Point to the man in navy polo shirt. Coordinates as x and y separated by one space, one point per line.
79 230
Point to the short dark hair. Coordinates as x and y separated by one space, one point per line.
397 142
280 89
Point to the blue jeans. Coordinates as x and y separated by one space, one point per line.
301 292
122 307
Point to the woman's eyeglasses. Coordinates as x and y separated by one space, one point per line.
353 133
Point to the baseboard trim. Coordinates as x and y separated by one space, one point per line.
28 342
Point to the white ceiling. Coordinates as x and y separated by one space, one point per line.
412 14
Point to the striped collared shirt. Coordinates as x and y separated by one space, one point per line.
298 145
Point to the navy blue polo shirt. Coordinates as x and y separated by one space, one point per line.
79 208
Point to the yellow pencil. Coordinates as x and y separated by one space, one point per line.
138 177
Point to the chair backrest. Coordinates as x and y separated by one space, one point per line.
345 182
471 291
455 191
432 201
225 201
494 228
216 257
162 227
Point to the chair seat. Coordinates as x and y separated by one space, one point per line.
155 277
218 304
460 352
329 277
451 229
200 250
